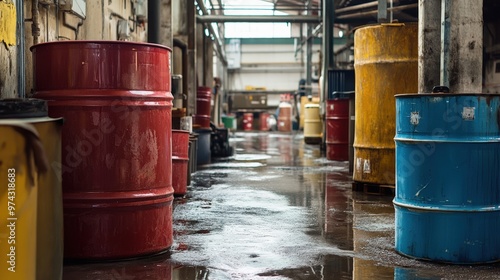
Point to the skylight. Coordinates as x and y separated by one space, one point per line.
254 30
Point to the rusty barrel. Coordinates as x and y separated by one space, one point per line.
247 121
447 202
337 127
386 63
264 121
285 117
180 160
203 98
116 154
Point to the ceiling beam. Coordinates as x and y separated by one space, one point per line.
218 42
374 12
258 18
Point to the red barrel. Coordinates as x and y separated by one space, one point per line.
248 121
264 125
116 156
202 117
337 129
180 159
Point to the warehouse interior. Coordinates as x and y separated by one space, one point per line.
249 139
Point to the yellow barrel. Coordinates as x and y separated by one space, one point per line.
50 209
313 126
30 152
385 64
18 205
304 100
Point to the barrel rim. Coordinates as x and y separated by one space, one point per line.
96 93
181 159
444 208
180 131
204 88
14 121
408 95
101 42
389 24
421 138
202 130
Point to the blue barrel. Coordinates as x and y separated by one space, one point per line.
203 154
447 201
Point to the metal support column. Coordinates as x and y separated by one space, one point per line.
154 8
327 47
21 75
328 62
191 57
429 44
309 53
382 11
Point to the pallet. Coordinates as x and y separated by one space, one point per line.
369 188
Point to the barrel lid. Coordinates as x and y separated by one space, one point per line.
99 43
17 108
285 104
385 25
342 95
180 131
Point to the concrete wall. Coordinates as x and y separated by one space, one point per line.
271 64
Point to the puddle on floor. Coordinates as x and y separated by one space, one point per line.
292 216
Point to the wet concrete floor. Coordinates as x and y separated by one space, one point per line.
279 210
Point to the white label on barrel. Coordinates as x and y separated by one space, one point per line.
414 118
187 124
366 166
358 164
468 113
331 107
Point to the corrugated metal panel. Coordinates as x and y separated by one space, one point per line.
340 81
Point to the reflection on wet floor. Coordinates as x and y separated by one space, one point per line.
279 210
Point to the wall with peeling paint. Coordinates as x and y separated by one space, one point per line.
8 75
101 23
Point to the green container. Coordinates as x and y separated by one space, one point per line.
229 122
